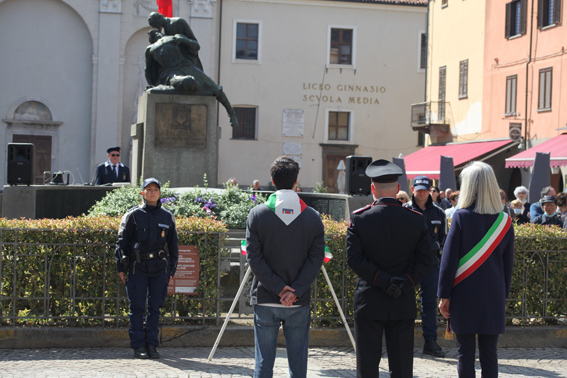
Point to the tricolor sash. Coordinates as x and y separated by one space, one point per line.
484 248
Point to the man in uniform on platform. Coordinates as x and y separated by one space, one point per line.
436 220
388 248
112 170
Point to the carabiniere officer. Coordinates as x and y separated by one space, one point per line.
147 250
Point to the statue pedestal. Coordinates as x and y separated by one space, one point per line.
176 139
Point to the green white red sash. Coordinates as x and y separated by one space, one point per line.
482 251
286 204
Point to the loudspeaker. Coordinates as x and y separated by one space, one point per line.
356 180
20 163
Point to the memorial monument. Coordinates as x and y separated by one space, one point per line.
176 135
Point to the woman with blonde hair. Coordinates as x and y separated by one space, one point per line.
476 270
402 196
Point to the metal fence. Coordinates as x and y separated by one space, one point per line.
49 283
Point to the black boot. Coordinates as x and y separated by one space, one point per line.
141 352
152 351
430 347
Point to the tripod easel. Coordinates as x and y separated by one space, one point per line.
237 297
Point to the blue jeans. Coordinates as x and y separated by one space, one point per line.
144 290
428 293
295 321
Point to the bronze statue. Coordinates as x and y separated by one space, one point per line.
173 65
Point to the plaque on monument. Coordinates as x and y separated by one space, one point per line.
181 125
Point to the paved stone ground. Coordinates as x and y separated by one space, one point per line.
239 362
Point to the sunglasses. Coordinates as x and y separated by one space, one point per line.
114 155
401 198
433 191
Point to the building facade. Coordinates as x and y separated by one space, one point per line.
337 82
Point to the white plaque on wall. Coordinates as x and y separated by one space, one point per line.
293 122
111 6
298 159
292 149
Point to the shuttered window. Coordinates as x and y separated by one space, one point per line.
442 83
548 13
515 18
511 90
545 80
463 78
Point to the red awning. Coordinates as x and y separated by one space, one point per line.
427 161
556 147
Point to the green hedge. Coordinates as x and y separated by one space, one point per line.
82 249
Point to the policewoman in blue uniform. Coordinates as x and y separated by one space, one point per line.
147 250
476 270
388 248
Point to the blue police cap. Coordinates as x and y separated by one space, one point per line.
109 150
383 171
421 182
149 181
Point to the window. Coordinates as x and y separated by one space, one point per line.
548 12
515 18
463 78
339 125
511 88
422 50
341 46
444 3
442 82
246 128
545 76
247 41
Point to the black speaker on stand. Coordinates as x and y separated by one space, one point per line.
356 180
20 164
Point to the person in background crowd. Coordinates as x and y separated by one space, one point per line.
504 200
447 200
535 208
402 196
453 199
562 206
112 170
256 185
422 202
521 193
232 182
147 251
388 248
436 196
549 216
476 271
518 208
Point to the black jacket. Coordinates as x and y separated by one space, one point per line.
436 222
383 240
104 174
153 227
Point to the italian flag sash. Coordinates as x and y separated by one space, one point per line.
286 204
482 251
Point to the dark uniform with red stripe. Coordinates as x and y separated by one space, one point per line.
384 240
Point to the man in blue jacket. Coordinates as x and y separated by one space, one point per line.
285 247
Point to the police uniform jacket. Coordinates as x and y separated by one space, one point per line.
383 240
548 221
104 174
477 302
436 220
154 228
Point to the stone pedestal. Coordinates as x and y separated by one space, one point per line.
176 139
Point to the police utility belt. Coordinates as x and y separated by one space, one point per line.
154 255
